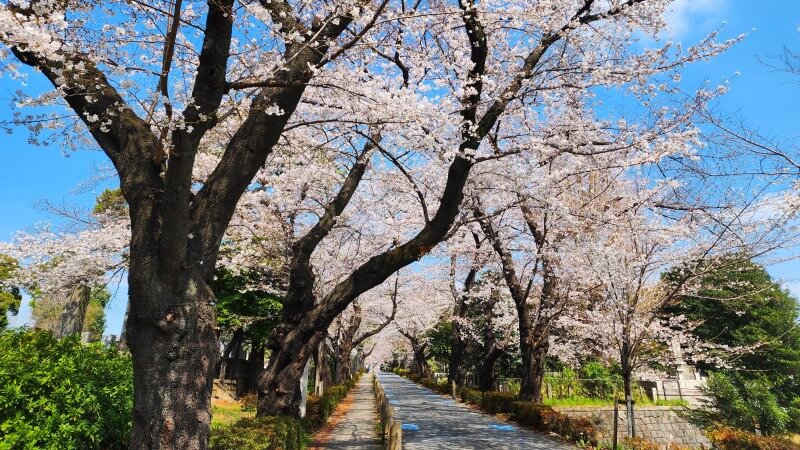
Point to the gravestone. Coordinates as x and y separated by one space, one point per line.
71 320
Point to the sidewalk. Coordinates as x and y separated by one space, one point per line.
354 424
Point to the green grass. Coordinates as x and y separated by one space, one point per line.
587 401
225 413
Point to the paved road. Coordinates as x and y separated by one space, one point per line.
432 421
354 424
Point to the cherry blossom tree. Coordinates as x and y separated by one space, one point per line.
237 78
466 263
352 331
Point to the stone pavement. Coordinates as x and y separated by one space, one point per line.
354 424
432 421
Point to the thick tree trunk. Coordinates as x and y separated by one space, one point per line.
343 361
456 372
172 336
537 369
420 364
486 372
527 385
279 383
486 378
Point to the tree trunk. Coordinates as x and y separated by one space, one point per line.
486 372
627 383
420 364
322 370
534 347
486 378
74 314
344 361
172 336
456 372
527 385
279 383
539 354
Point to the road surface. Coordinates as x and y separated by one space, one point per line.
354 424
432 421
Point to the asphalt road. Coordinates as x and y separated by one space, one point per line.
432 421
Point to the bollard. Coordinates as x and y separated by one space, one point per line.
391 429
395 436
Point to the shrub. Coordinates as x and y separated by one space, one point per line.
564 383
732 439
63 394
599 381
545 418
497 402
637 443
249 402
319 408
260 433
740 402
402 372
430 383
470 395
529 413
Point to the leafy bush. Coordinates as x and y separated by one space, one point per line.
63 394
732 439
319 408
260 433
739 402
441 388
544 418
637 443
564 383
470 395
529 413
599 382
402 372
497 402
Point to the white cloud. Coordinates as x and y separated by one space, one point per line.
684 16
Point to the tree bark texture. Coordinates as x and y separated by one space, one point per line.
175 353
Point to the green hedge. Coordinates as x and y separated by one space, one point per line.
529 413
731 439
260 433
441 388
401 372
62 394
318 409
495 402
470 395
545 418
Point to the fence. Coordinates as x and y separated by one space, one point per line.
391 427
556 385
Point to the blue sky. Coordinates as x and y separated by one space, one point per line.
766 99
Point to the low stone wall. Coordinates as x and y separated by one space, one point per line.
658 424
